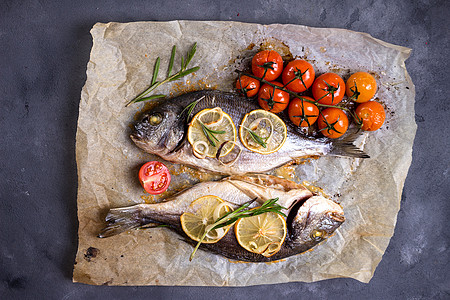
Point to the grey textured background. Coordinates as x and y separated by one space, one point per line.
44 49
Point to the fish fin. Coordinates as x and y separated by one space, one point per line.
339 147
238 183
122 219
266 180
346 147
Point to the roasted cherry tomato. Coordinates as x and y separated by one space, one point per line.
267 60
303 113
371 114
273 101
154 177
328 88
333 122
247 85
299 74
361 87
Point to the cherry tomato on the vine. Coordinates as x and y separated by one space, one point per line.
332 122
303 113
247 85
371 114
328 88
298 75
361 87
267 60
154 177
273 101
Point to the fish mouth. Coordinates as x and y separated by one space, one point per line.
337 216
136 136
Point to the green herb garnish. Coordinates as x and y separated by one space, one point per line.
190 108
256 137
210 134
231 217
183 72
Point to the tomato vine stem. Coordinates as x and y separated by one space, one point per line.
299 96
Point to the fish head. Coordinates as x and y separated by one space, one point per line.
316 219
160 129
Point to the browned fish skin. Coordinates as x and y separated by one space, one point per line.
230 248
311 219
162 139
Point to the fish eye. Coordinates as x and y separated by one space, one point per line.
318 235
154 119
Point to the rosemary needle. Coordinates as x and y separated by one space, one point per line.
242 212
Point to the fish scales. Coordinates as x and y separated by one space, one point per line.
167 138
306 213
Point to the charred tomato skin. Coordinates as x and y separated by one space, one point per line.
295 69
371 114
328 88
300 110
273 101
154 177
332 122
361 87
247 86
272 59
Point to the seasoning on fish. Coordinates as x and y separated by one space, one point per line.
168 137
310 219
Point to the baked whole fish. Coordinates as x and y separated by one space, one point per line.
310 218
162 131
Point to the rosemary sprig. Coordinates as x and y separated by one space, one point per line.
183 72
210 134
256 137
242 212
190 108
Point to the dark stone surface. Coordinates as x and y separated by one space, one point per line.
44 49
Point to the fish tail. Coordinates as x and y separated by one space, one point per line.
122 219
346 147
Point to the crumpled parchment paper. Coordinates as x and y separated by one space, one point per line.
121 66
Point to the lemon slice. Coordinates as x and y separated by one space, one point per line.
221 129
263 234
264 126
207 210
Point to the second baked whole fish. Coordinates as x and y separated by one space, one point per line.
310 218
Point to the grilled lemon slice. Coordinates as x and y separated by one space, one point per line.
207 210
263 234
262 131
208 130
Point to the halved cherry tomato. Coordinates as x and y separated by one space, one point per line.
154 177
333 122
273 101
361 87
303 113
247 85
328 88
372 115
299 74
267 60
